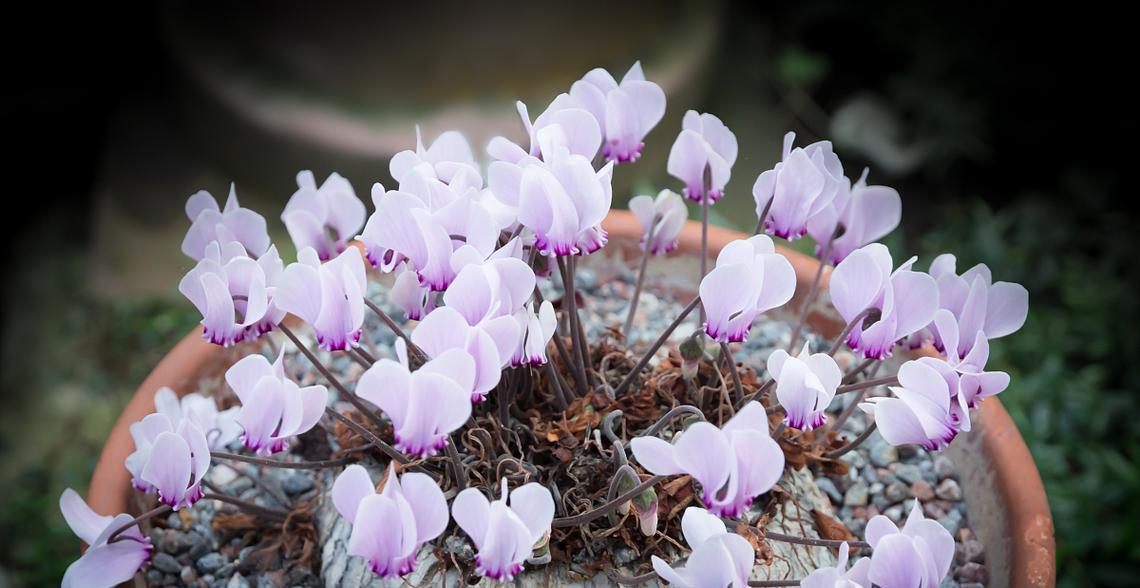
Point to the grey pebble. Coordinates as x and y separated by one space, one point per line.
883 454
239 485
174 542
237 581
895 493
857 494
949 490
297 484
895 513
948 582
855 459
922 491
174 521
153 577
210 562
952 521
909 473
199 549
166 563
187 575
828 488
869 475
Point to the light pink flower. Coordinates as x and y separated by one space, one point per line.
448 156
803 184
233 223
219 426
565 124
805 386
491 343
537 330
329 296
863 214
233 293
563 201
719 558
273 407
425 406
503 534
626 112
103 565
749 278
906 299
408 294
977 303
917 555
839 576
388 528
974 383
733 465
666 216
323 218
704 142
488 289
170 459
920 411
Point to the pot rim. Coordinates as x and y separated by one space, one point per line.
1029 524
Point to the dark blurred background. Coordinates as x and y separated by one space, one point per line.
1008 133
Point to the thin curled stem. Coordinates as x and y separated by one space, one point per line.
276 463
732 369
672 414
607 508
344 393
159 510
627 329
391 324
853 444
813 289
625 384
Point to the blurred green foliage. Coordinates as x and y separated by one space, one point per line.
1074 386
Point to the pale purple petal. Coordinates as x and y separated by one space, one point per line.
169 468
535 507
84 522
351 487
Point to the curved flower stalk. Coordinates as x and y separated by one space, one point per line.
329 296
977 303
273 407
661 220
104 564
490 343
389 527
448 156
805 386
860 215
208 223
704 142
233 293
220 427
626 112
425 406
749 278
504 534
563 201
323 218
839 576
733 465
719 558
803 184
537 330
920 412
906 299
919 554
170 459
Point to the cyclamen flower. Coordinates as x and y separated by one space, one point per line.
918 555
719 558
233 293
661 220
839 576
329 296
219 426
566 124
233 223
862 214
973 383
449 155
906 299
407 293
490 289
626 112
704 142
273 407
170 459
801 186
504 535
805 386
978 304
733 465
919 413
103 565
323 218
564 201
425 406
537 330
490 343
390 527
749 278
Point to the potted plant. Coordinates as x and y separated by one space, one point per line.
511 428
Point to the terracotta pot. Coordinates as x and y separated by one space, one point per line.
1005 498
